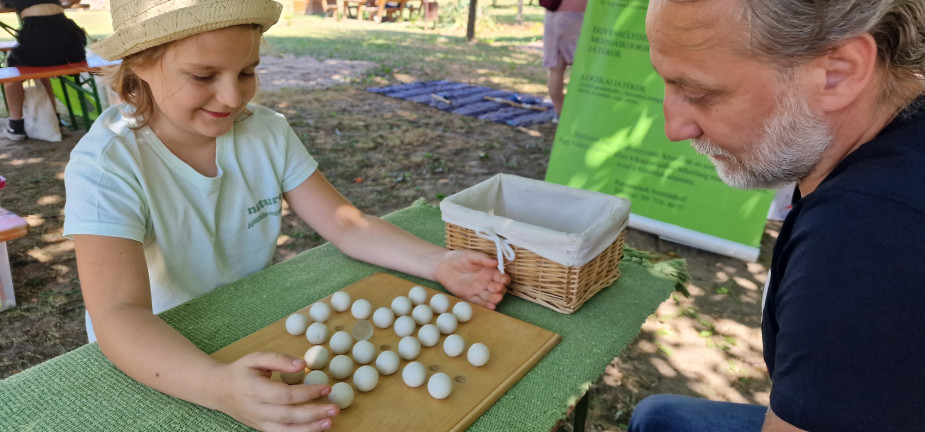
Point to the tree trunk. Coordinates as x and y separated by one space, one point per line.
520 12
470 28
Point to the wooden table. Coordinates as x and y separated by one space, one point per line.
379 10
347 5
81 390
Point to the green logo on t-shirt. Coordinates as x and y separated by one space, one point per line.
260 205
263 203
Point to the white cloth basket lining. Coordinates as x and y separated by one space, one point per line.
563 224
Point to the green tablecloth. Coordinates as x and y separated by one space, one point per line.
81 390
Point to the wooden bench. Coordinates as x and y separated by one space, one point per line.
11 227
77 76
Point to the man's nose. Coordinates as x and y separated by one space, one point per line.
680 123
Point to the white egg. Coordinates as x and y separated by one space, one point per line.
341 395
428 335
440 385
341 342
414 374
316 357
463 311
383 317
422 314
454 345
409 348
365 378
404 326
387 362
296 324
292 377
362 330
340 301
401 305
361 309
317 333
363 352
440 303
316 377
320 312
418 295
477 354
446 322
341 366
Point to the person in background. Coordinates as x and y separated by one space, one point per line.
560 37
180 190
46 38
830 95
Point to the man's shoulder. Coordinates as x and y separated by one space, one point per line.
890 167
874 194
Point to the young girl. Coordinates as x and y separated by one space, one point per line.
180 191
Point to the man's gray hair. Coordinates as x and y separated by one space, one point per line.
790 32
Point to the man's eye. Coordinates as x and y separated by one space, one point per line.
698 98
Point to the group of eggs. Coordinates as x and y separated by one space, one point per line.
404 315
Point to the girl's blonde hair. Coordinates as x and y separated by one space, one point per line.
131 88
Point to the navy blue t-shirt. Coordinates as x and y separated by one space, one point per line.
844 322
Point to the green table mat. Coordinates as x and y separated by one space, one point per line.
81 390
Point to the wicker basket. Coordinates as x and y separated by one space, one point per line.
507 207
542 281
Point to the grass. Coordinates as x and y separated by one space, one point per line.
403 47
405 50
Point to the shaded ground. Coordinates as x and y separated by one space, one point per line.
382 154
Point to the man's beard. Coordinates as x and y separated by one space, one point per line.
793 142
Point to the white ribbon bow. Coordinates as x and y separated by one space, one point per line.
502 245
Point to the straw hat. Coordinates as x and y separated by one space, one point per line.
142 24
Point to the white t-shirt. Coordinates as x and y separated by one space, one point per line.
198 232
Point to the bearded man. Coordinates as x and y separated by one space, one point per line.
829 94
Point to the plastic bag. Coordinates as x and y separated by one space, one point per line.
40 115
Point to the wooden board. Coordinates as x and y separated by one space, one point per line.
515 346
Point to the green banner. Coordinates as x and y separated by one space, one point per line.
611 139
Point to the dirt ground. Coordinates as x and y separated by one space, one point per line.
383 154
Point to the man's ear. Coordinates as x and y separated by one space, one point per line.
839 77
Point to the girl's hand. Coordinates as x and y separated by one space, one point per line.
248 395
473 276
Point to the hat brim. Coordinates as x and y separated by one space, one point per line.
185 22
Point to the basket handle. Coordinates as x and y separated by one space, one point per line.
502 245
